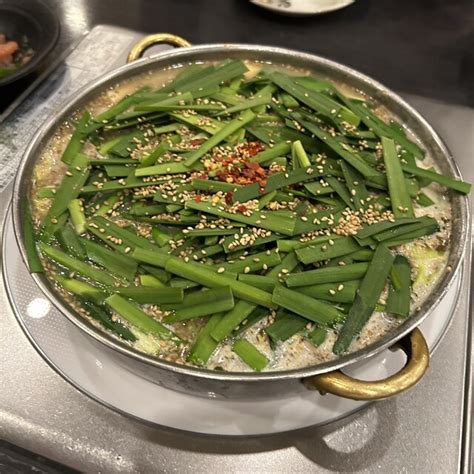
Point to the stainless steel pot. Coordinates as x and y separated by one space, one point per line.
325 377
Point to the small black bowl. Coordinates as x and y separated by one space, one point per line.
33 20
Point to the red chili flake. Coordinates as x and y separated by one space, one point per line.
229 198
197 141
198 198
253 148
242 208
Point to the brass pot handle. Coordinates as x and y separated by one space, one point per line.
418 356
140 46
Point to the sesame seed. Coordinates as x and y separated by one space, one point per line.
221 270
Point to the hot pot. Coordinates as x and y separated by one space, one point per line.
326 377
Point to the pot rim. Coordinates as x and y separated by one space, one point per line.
205 52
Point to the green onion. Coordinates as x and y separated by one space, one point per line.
369 293
399 197
135 316
310 308
398 300
250 354
327 275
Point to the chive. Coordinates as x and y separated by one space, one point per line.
427 225
183 283
354 160
198 298
204 276
234 125
46 192
369 293
279 149
80 288
204 345
152 295
119 171
318 336
162 169
150 280
285 326
252 263
70 242
250 354
341 190
209 232
68 190
457 185
225 71
379 127
207 124
253 318
232 319
120 107
381 226
327 275
161 238
139 209
300 154
108 204
266 199
423 200
356 185
135 316
258 99
151 104
158 273
315 100
399 197
47 231
303 305
103 316
221 300
274 182
362 255
164 146
334 292
32 257
200 274
316 253
76 265
269 221
265 283
213 186
118 237
77 139
76 211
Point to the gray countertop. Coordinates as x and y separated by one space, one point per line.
420 431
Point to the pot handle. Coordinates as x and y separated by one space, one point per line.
141 45
416 349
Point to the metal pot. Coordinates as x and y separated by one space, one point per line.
325 377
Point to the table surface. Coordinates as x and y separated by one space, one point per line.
422 48
385 437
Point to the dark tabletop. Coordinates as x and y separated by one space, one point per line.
422 47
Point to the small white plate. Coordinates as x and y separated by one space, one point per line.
302 7
92 371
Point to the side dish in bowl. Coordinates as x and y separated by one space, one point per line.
239 216
13 54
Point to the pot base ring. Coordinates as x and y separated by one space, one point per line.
96 374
